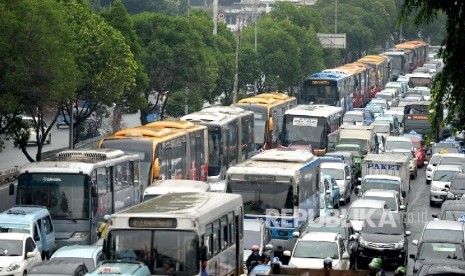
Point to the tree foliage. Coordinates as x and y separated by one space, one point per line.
448 88
37 67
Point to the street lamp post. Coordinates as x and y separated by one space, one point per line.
335 20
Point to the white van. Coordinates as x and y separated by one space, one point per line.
34 220
174 186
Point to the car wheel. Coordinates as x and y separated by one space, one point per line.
24 273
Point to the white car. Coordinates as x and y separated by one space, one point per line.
437 228
32 132
398 142
392 198
312 248
362 209
433 162
341 173
442 177
18 253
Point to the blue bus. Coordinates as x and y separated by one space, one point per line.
280 186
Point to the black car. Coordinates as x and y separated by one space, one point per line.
441 267
337 225
444 248
384 238
457 187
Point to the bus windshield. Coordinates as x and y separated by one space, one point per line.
361 142
320 94
143 148
304 130
214 144
178 249
420 82
397 62
258 197
64 195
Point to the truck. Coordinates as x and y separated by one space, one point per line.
364 136
383 171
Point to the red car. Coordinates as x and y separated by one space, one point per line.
418 150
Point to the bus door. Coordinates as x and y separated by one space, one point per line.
196 159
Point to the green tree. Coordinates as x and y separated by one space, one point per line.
175 58
37 68
105 60
119 18
448 88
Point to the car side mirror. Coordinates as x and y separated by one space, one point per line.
402 207
447 186
348 177
345 255
296 234
30 255
287 253
415 242
11 189
412 256
353 237
408 233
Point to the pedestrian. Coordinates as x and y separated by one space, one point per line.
375 267
253 259
103 229
400 271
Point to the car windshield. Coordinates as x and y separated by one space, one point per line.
394 145
435 159
443 150
382 128
453 215
14 227
316 249
11 247
443 175
349 118
375 108
383 184
433 233
440 250
362 213
381 227
390 201
337 174
327 227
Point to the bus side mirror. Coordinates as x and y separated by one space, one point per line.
93 190
11 189
104 247
271 125
156 169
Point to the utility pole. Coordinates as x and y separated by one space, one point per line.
238 45
71 123
335 20
215 17
186 100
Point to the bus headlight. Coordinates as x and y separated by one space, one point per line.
82 234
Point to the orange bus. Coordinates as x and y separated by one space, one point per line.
268 109
167 150
381 72
418 52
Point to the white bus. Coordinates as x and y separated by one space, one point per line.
311 125
79 187
279 186
180 232
230 137
162 187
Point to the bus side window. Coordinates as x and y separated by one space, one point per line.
121 176
208 241
102 181
216 236
231 232
224 231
